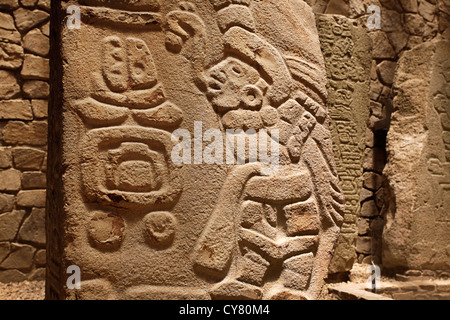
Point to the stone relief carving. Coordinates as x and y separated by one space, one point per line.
265 236
348 75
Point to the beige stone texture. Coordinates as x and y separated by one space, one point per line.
40 108
16 110
26 19
34 180
7 21
409 5
36 89
31 198
382 48
12 36
9 87
9 4
33 228
6 202
24 90
36 42
12 275
11 55
40 257
10 223
5 157
21 257
347 50
46 29
137 71
35 67
10 180
5 247
44 4
417 232
33 133
28 3
27 158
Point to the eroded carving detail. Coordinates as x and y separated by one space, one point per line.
126 150
267 236
348 104
279 217
440 167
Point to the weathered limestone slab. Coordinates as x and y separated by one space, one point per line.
347 51
417 232
141 224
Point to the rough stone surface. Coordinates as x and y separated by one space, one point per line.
40 108
24 89
6 203
417 233
9 4
27 19
16 110
35 67
21 257
35 41
5 157
10 180
9 87
382 49
28 158
40 258
34 133
33 228
31 198
204 231
34 180
11 55
9 224
36 89
346 49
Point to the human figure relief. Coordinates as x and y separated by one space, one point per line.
269 235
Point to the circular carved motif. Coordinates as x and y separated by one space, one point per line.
160 228
106 231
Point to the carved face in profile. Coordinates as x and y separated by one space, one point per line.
231 85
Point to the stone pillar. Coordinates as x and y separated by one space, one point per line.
141 198
417 231
347 50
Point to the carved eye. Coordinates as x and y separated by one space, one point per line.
237 70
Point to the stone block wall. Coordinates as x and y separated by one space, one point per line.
24 90
404 25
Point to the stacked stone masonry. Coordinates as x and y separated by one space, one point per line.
24 89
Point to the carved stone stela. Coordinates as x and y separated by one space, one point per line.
417 231
140 226
346 48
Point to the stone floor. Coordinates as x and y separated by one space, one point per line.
34 290
403 287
